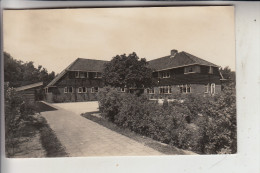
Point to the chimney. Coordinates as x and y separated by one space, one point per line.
173 52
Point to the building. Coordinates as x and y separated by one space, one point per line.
80 81
179 72
30 92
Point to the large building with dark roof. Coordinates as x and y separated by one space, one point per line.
179 72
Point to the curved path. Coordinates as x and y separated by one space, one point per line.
82 137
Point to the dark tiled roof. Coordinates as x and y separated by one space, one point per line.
80 64
87 65
167 62
180 59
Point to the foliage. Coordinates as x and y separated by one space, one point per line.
109 102
227 74
203 124
18 114
127 71
18 73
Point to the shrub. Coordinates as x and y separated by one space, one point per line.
109 102
203 124
18 113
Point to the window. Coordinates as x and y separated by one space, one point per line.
97 75
165 90
188 70
65 90
191 69
166 74
82 74
210 70
122 90
150 90
94 89
46 90
70 89
185 88
77 74
82 90
206 88
188 88
212 88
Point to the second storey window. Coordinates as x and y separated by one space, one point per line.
210 70
77 74
97 75
81 74
189 70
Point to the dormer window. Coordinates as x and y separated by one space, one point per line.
166 75
80 74
77 74
192 69
189 70
210 70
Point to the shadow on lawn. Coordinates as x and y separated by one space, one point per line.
42 107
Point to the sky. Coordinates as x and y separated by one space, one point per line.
54 38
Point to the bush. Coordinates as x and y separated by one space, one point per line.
109 102
18 113
203 124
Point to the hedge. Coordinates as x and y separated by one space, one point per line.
203 124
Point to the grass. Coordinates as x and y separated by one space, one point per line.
161 147
34 138
50 142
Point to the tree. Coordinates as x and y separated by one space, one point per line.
18 73
228 74
127 71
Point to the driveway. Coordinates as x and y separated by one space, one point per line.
82 137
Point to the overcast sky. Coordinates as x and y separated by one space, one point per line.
54 38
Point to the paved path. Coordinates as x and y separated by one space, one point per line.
82 137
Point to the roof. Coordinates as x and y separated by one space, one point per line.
26 87
81 64
179 60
